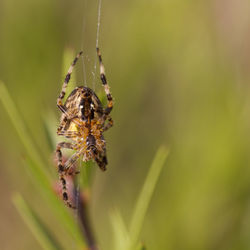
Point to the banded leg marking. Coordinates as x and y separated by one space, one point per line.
68 133
65 83
108 125
100 159
61 170
71 161
105 84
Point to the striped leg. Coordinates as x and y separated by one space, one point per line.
105 84
61 170
100 159
71 161
66 81
108 125
68 134
65 122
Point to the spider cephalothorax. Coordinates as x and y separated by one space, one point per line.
83 120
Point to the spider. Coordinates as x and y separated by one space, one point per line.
83 120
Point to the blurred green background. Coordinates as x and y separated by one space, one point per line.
179 74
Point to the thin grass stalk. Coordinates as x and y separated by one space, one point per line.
39 230
146 195
20 127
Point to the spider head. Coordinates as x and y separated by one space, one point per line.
86 108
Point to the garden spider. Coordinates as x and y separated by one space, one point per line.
83 120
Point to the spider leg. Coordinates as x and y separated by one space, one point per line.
105 84
100 158
62 170
65 123
71 161
68 134
108 125
65 84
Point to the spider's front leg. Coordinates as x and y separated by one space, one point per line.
65 84
63 170
108 109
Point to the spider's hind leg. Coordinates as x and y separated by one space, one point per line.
62 170
109 124
100 158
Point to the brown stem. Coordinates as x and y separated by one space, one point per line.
83 217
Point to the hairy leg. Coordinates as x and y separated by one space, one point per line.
62 171
65 84
105 84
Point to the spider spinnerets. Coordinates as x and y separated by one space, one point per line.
83 120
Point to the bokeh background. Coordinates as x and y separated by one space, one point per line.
179 74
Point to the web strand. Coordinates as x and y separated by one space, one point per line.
97 40
98 23
82 43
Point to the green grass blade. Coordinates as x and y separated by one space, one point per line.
87 170
50 125
20 127
120 233
146 194
39 230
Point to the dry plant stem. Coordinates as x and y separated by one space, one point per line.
83 217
